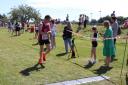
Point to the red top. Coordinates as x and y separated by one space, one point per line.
45 29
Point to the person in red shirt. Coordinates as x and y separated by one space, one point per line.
43 39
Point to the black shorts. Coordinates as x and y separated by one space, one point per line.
36 31
42 42
94 43
17 29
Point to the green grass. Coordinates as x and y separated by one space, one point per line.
17 54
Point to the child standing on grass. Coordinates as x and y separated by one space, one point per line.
94 45
108 49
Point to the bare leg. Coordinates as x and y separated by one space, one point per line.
16 33
94 51
41 58
41 49
108 60
54 42
47 49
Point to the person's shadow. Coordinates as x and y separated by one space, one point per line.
89 65
61 54
102 70
126 78
27 71
35 44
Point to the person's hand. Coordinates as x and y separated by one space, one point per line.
101 34
49 32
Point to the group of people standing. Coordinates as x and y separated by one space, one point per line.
83 19
109 40
16 27
45 33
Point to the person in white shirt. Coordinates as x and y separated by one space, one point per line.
53 34
36 31
79 24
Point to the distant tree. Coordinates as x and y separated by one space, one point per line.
100 20
93 21
120 19
25 13
3 19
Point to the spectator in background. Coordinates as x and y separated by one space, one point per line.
17 29
22 26
13 28
113 14
85 21
67 36
115 27
53 34
36 31
80 23
9 26
67 18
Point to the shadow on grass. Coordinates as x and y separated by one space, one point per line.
27 71
89 65
126 78
35 44
113 60
102 70
61 54
13 36
84 67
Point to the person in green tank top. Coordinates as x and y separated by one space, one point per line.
109 48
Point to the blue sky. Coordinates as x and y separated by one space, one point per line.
60 8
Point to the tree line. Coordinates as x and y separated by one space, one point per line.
25 13
120 19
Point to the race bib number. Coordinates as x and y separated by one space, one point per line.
44 36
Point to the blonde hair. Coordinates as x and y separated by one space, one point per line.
106 23
69 25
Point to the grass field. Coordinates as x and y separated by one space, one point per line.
18 54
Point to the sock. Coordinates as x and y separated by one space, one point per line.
44 56
40 60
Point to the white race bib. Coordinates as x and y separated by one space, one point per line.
45 36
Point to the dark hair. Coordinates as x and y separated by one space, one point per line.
114 18
53 21
47 17
94 28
